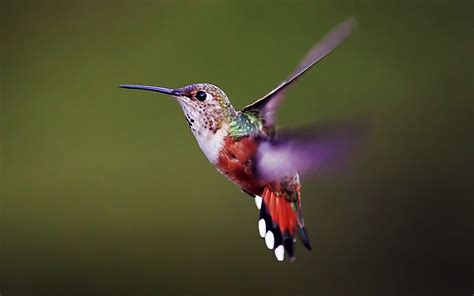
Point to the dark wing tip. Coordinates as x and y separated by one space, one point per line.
269 102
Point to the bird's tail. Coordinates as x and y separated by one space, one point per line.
279 220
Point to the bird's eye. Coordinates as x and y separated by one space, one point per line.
201 96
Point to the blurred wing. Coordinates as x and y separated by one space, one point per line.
308 150
268 104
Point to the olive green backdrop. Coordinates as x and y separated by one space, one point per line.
105 192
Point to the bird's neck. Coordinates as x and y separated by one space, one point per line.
238 126
209 127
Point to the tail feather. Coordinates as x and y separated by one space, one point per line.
279 220
304 237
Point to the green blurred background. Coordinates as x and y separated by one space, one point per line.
105 192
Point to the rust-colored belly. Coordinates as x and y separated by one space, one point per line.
236 161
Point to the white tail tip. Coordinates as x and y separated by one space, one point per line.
258 202
280 253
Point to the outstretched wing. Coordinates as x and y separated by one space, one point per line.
268 104
308 150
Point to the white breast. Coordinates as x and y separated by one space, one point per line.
211 143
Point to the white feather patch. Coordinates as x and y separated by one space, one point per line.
211 143
269 240
258 201
280 253
262 227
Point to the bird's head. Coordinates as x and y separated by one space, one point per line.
205 106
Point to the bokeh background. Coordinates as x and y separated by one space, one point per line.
105 192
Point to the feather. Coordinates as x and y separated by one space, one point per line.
278 223
308 150
268 104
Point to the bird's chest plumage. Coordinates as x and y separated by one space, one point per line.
211 143
236 162
229 145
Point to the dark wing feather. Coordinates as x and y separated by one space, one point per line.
308 150
268 104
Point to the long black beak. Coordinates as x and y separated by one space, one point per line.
163 90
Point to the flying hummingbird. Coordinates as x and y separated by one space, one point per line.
264 162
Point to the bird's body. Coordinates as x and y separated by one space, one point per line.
231 139
247 149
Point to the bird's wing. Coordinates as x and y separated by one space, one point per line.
267 105
309 150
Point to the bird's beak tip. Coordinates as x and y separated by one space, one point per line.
163 90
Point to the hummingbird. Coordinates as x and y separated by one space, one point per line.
265 162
